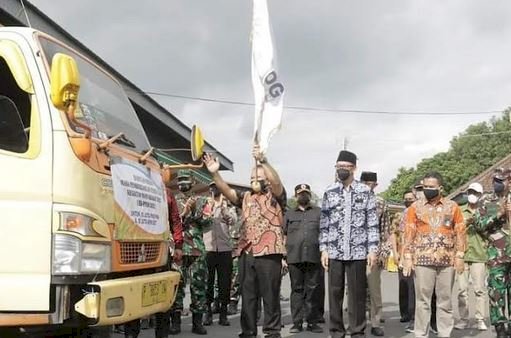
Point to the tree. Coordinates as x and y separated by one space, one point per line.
474 150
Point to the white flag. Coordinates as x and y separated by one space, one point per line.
268 90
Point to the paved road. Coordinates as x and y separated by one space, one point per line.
393 328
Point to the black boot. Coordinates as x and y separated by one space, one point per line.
500 328
197 327
208 318
223 321
175 317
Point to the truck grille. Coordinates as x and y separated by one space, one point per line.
140 252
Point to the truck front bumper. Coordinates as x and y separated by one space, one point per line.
124 299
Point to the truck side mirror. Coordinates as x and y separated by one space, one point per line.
65 85
12 132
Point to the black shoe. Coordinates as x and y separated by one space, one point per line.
197 326
404 320
296 328
382 320
208 319
500 328
223 321
175 326
377 331
314 328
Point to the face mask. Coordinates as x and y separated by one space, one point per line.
184 187
303 199
258 186
472 199
343 174
498 186
215 192
431 193
408 203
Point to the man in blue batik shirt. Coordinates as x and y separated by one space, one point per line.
348 239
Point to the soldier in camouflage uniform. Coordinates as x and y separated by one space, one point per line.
374 299
196 215
491 220
235 282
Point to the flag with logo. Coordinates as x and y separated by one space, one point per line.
268 89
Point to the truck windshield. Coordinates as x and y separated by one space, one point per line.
103 105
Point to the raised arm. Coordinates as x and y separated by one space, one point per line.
213 166
271 174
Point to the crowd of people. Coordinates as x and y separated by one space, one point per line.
232 244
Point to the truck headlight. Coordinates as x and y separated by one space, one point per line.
72 256
79 223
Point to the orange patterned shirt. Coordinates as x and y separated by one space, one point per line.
434 233
261 231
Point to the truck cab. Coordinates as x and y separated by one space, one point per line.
84 215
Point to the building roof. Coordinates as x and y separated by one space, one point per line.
163 129
485 178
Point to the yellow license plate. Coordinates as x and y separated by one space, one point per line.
155 292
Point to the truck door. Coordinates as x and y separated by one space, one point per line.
25 182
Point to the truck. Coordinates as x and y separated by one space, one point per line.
84 219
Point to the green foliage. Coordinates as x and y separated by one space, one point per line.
467 157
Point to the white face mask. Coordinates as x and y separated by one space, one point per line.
472 199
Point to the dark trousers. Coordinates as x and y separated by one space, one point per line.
260 277
321 310
305 291
219 264
355 272
406 296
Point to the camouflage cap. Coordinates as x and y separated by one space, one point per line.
502 174
184 175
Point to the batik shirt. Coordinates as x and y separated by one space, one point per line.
195 223
494 228
261 233
384 224
349 222
434 233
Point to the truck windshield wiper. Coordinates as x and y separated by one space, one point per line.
125 141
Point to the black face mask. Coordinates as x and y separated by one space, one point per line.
343 174
431 193
184 187
215 191
303 199
259 186
498 186
408 203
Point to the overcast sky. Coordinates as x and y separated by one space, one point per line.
433 56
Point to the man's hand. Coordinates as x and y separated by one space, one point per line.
459 265
324 260
256 152
211 163
395 254
407 266
371 260
285 267
178 256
